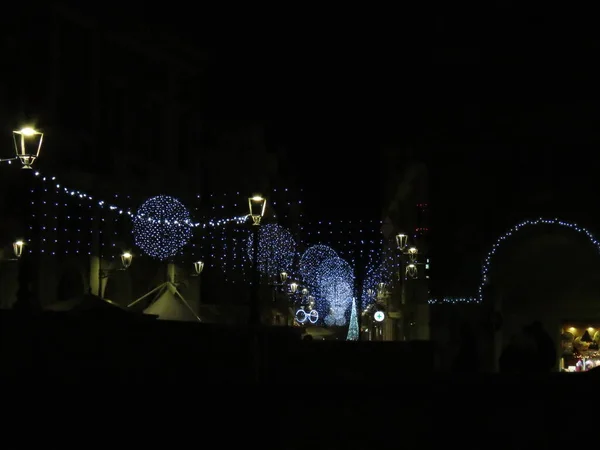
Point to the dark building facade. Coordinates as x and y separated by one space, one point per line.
122 110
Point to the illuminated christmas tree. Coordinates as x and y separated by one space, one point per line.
353 327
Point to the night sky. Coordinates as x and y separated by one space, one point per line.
490 100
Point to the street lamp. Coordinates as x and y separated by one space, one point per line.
257 205
126 259
283 276
28 143
18 248
401 240
293 288
198 268
411 271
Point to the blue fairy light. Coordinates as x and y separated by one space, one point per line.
161 227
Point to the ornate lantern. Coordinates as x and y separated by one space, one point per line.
28 143
198 267
412 253
18 248
401 240
412 271
283 276
126 259
293 288
257 205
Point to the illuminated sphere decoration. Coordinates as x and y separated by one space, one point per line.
335 287
276 249
311 261
162 227
373 278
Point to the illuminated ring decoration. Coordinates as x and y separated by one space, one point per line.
302 317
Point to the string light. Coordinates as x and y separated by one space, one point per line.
335 286
119 209
159 227
488 260
276 249
353 240
311 260
374 276
454 301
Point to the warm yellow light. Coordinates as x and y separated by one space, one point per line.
591 329
126 259
411 266
412 250
257 205
572 329
27 131
294 287
199 267
18 248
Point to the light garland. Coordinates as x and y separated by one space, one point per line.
311 260
128 212
335 287
353 240
276 250
454 301
157 227
374 275
488 260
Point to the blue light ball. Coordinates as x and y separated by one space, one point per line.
162 226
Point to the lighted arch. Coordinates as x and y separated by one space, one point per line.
488 259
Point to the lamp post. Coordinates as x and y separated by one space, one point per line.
28 144
408 270
126 260
257 205
280 287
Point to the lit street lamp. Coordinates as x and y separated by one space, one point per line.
408 270
198 268
257 205
28 143
18 248
126 259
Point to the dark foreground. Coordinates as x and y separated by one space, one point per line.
99 382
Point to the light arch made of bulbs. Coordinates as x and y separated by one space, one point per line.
485 268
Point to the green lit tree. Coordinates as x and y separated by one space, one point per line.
353 327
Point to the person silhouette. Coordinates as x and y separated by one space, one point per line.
545 358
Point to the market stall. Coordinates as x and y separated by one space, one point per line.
580 347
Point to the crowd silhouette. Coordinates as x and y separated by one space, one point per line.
531 351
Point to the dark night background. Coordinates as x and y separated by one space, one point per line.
489 99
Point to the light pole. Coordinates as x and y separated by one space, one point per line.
407 270
198 268
280 286
126 260
28 144
257 205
